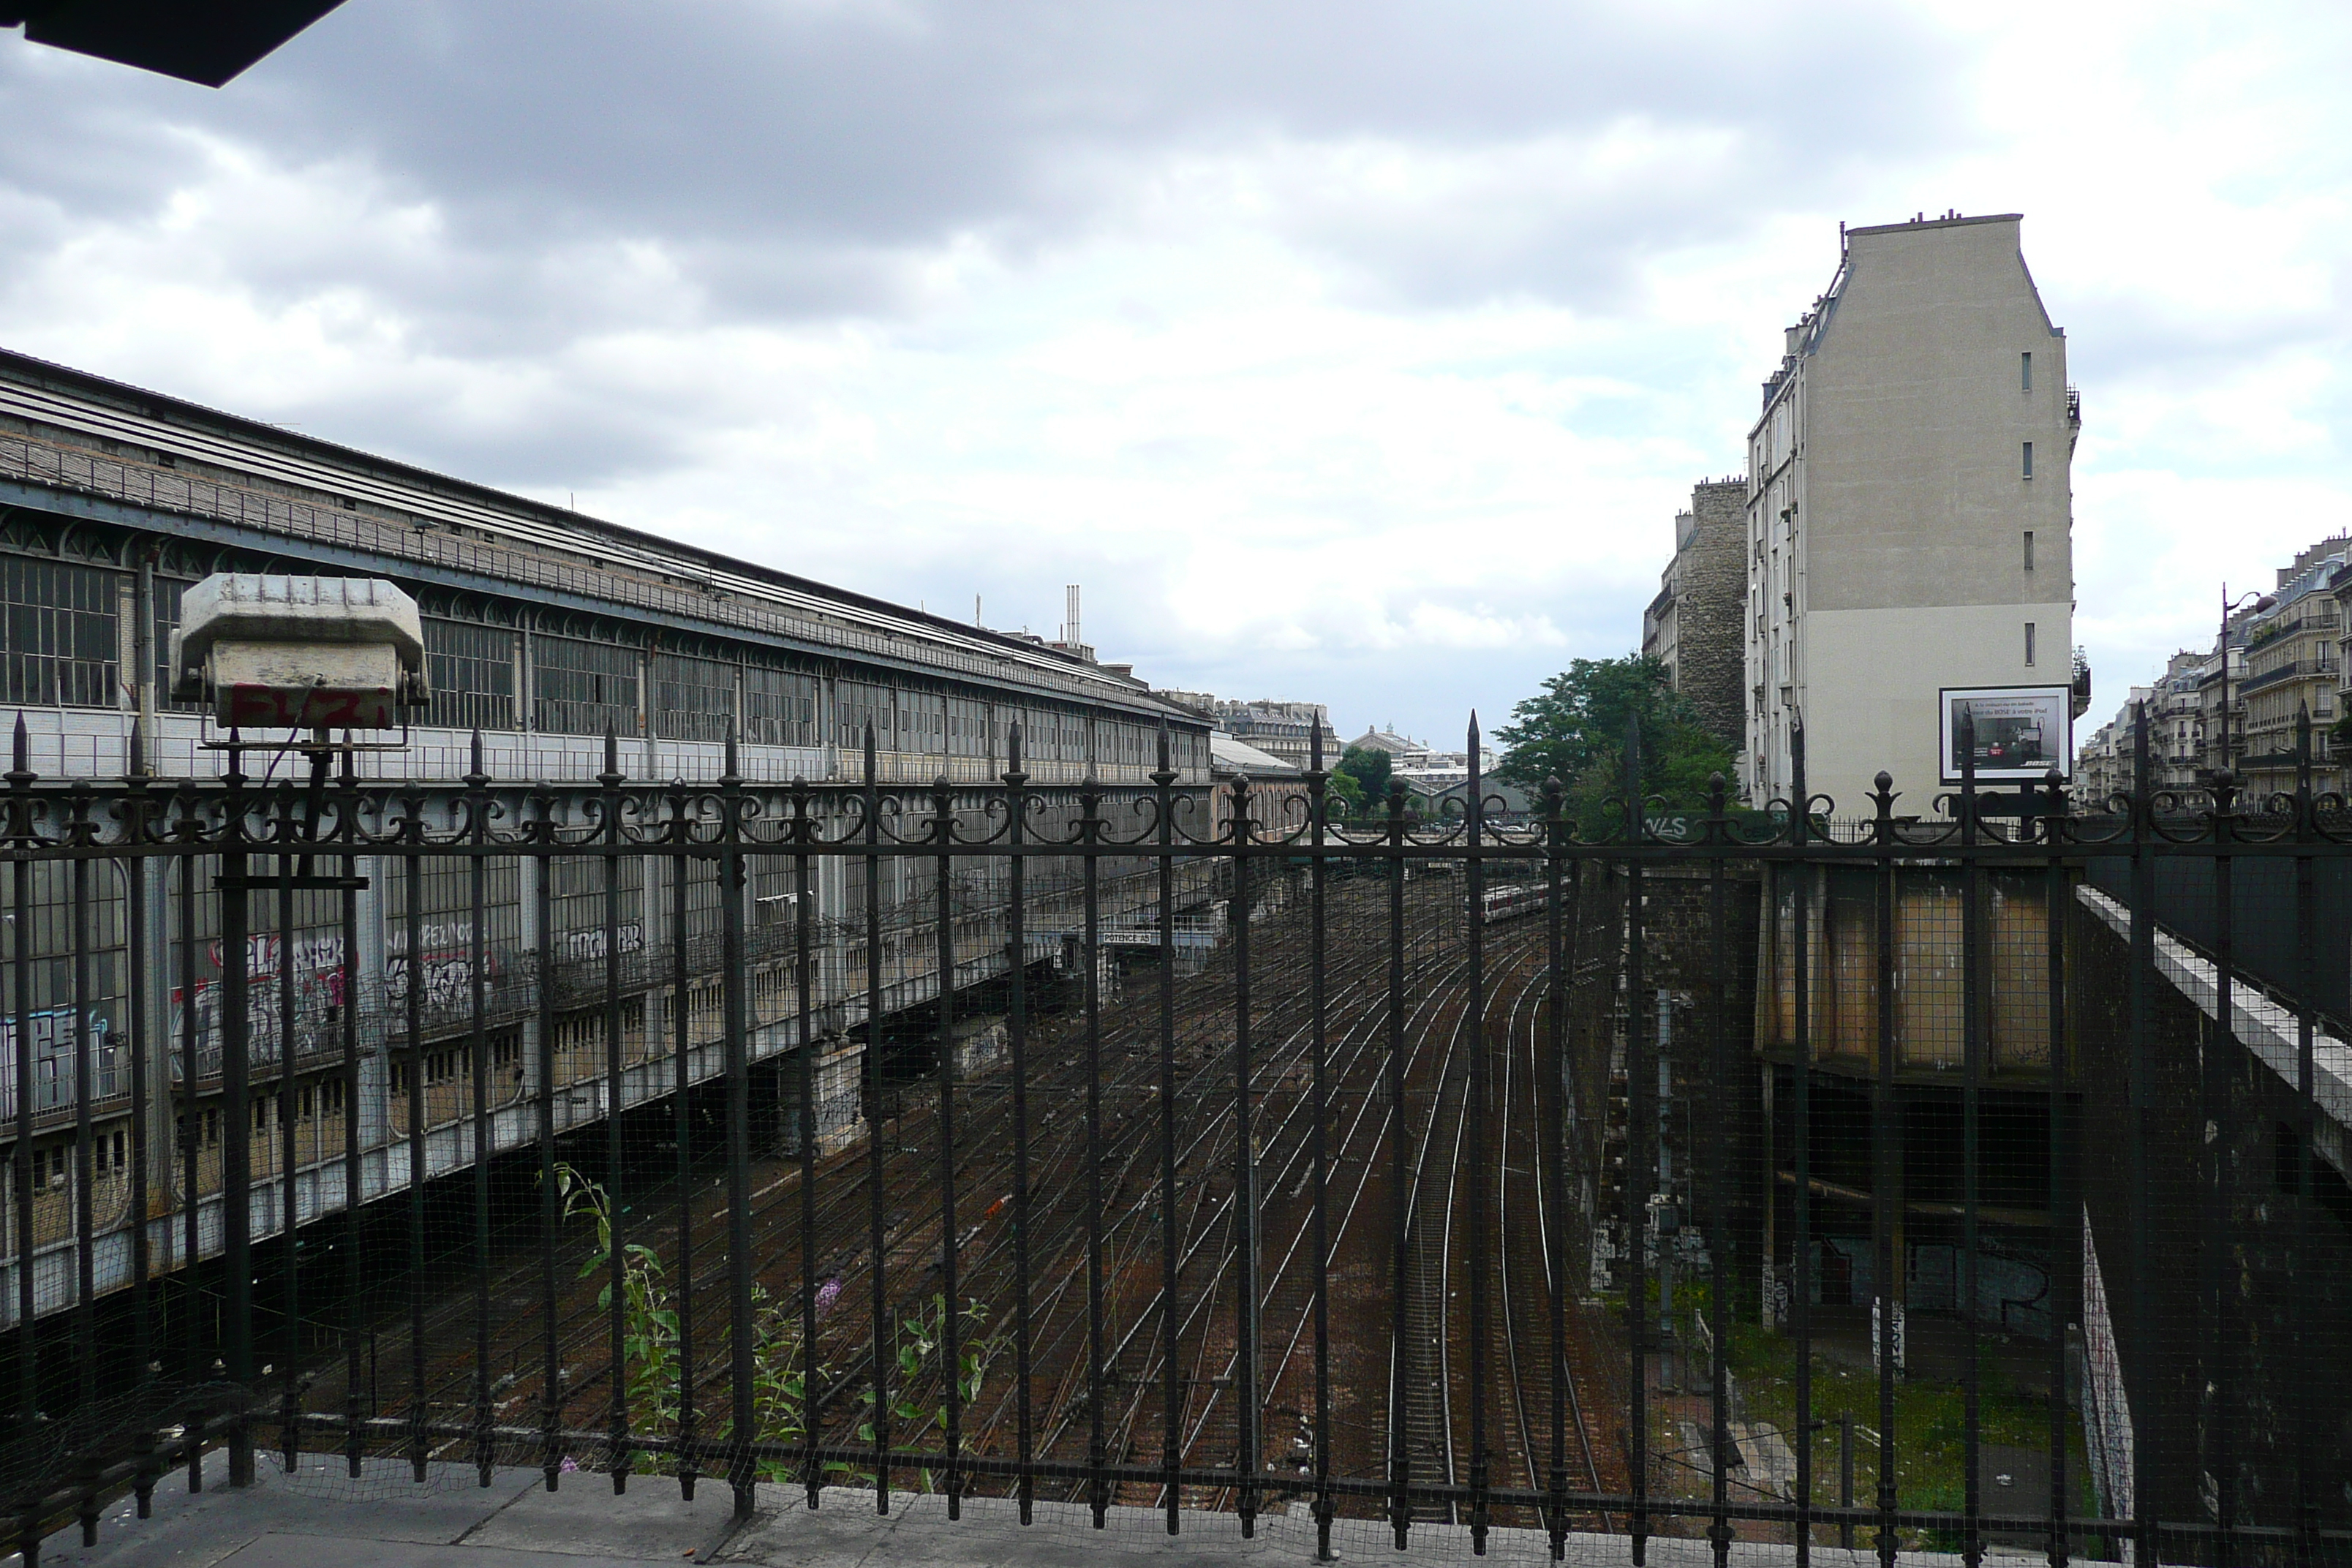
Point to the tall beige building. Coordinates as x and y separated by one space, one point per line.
1910 519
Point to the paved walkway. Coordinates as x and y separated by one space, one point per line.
321 1518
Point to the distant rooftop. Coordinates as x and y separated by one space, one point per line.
1947 220
1228 755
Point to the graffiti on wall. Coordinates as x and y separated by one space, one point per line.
444 965
51 1033
316 962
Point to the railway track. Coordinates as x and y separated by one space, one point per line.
831 1246
1533 1370
844 1181
1292 1285
1528 1226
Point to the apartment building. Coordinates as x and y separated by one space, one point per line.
1280 728
1692 628
1283 729
2179 708
1909 527
2339 731
2176 719
2209 704
2294 664
2104 760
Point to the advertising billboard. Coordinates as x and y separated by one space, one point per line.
2022 732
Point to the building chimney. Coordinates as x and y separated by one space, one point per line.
1070 632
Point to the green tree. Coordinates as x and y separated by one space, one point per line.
1366 768
1346 795
1574 730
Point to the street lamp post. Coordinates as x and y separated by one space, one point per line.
2259 602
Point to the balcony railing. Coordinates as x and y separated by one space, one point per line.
2304 668
2315 618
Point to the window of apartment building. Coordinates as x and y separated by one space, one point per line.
2029 459
2029 550
2029 644
61 648
2025 372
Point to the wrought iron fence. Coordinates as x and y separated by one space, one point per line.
1508 1177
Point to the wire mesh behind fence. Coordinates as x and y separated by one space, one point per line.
1152 1158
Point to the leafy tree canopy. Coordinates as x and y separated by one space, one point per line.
1346 795
1574 729
1366 768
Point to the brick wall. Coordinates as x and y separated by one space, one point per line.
1708 669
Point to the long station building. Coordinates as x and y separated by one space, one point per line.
547 632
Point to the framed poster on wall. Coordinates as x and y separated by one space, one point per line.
2022 732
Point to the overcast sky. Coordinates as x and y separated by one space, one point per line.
1354 351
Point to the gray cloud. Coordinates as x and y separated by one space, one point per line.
791 156
527 239
2184 344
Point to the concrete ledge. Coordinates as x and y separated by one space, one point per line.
2270 1031
323 1517
918 1535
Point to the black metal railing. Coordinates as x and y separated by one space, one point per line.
2304 668
1568 1177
